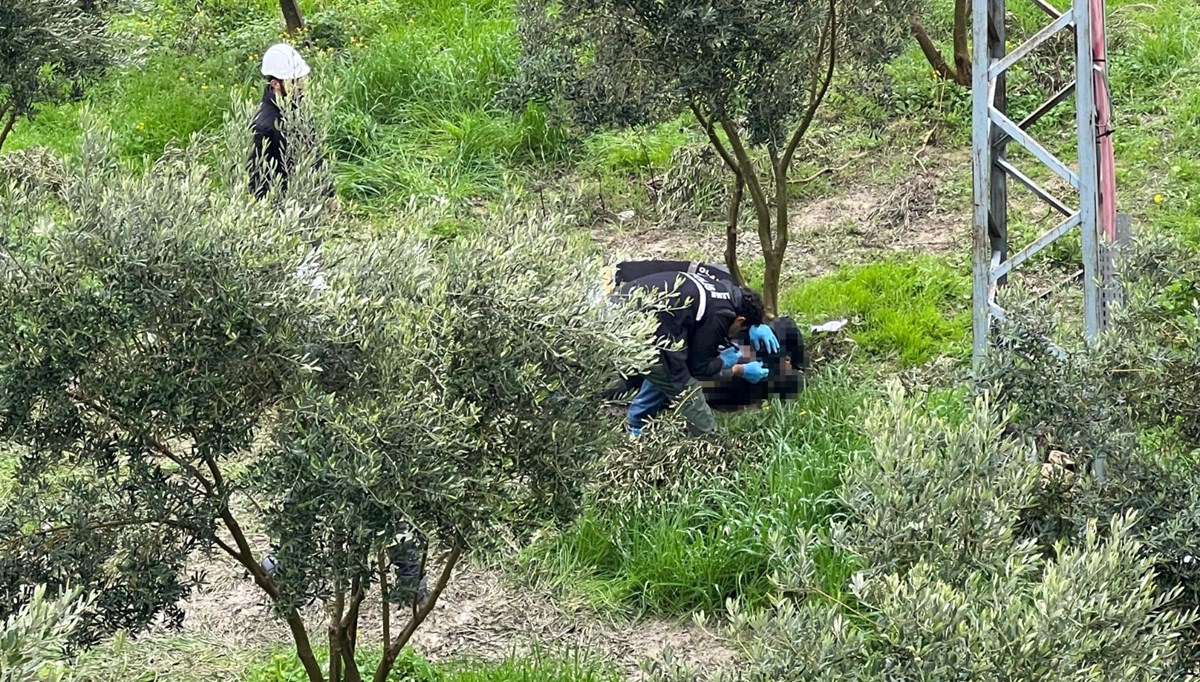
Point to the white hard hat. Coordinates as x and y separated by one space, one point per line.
282 61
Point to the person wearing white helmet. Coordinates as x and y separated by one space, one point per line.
285 71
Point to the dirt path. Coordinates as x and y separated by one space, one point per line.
480 615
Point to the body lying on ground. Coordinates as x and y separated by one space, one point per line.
786 367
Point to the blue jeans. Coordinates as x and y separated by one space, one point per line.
646 405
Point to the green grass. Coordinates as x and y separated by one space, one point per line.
534 667
153 658
636 151
909 311
201 660
715 540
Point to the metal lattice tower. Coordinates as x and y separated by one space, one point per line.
1092 181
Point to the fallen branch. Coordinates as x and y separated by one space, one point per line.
827 171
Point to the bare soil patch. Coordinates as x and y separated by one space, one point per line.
921 212
480 615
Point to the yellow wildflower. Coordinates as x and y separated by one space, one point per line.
1158 198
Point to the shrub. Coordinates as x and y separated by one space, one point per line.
35 169
1128 403
171 360
36 636
955 592
929 491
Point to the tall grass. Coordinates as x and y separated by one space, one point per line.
716 540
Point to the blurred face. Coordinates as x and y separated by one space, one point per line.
288 86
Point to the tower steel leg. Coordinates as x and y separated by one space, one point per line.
1089 180
981 163
993 131
998 212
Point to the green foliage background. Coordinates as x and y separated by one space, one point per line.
420 125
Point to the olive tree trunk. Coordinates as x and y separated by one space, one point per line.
8 118
731 230
393 648
292 15
960 72
768 191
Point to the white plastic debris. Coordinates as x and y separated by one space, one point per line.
831 327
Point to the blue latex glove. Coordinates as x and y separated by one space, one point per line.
730 356
764 339
754 372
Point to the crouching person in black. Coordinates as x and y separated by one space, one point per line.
697 316
777 345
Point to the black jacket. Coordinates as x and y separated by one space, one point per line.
700 312
269 159
635 269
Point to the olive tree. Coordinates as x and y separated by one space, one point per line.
172 381
949 587
49 50
753 73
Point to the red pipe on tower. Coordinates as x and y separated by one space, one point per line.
1105 156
